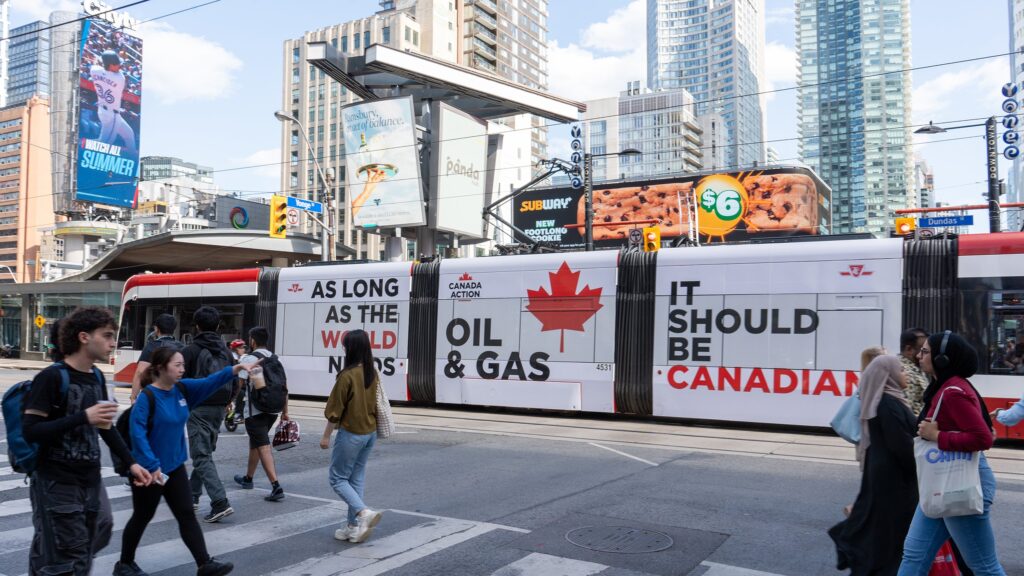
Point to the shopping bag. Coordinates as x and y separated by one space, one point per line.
948 482
287 435
385 419
945 562
846 422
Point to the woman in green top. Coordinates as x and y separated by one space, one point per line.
352 410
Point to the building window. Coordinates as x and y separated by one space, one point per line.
416 38
408 34
295 75
295 95
386 35
295 137
366 39
344 43
294 182
295 55
334 131
355 41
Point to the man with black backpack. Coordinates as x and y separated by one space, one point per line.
163 330
265 402
206 355
66 412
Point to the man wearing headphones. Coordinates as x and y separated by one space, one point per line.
110 83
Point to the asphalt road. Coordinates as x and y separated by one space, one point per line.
476 501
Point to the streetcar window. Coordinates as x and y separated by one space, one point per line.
1005 344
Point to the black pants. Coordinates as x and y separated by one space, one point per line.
72 523
178 495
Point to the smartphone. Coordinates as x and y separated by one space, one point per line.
161 479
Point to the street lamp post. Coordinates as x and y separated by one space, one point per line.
329 230
991 164
588 190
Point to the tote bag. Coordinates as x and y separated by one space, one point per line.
385 419
948 481
945 562
846 422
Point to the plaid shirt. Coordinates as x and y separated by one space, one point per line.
916 384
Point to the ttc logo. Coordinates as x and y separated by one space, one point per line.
295 288
856 270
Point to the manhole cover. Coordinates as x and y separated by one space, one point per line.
619 539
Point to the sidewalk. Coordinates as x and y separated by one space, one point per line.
36 365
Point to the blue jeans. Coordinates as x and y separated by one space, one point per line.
348 468
972 535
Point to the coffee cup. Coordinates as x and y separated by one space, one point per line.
257 379
107 425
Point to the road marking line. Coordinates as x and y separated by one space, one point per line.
24 505
537 563
421 552
621 453
20 482
172 553
716 569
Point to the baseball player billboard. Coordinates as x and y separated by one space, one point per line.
110 106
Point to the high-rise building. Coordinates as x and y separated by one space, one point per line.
1015 184
28 68
510 39
924 184
714 49
5 25
854 107
771 156
164 167
661 125
25 188
315 99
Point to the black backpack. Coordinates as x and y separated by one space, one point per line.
207 363
123 427
271 399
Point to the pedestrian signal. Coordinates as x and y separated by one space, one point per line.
905 226
652 239
278 216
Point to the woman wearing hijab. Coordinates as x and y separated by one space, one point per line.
869 542
962 425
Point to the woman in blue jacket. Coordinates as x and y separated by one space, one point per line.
157 424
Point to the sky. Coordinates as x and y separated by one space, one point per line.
213 76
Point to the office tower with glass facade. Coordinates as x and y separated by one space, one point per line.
28 66
924 184
714 49
510 40
164 167
854 107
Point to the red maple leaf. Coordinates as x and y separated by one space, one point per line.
564 308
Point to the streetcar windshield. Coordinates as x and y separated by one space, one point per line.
1005 331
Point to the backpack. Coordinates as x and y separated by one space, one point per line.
22 454
123 427
271 399
206 363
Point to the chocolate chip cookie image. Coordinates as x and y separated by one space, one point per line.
781 202
656 202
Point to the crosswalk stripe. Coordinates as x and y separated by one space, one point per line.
20 482
24 505
537 563
400 560
354 557
716 569
172 553
21 539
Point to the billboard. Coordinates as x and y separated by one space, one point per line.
110 106
459 181
382 161
729 206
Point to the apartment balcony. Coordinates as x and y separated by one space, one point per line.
486 19
482 48
692 137
483 64
487 5
485 34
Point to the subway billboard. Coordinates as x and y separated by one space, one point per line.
110 108
780 201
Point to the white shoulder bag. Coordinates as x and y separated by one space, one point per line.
385 419
948 482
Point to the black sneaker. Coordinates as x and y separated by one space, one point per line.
128 569
214 567
218 513
275 495
241 481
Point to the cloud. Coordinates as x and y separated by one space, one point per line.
972 87
609 54
268 160
619 32
179 67
25 11
780 67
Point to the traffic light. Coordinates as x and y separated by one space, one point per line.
278 216
652 239
905 226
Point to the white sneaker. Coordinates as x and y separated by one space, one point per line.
365 522
344 534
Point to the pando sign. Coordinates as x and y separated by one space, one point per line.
101 10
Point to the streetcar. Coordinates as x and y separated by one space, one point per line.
747 333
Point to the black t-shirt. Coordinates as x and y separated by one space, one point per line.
152 345
72 454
